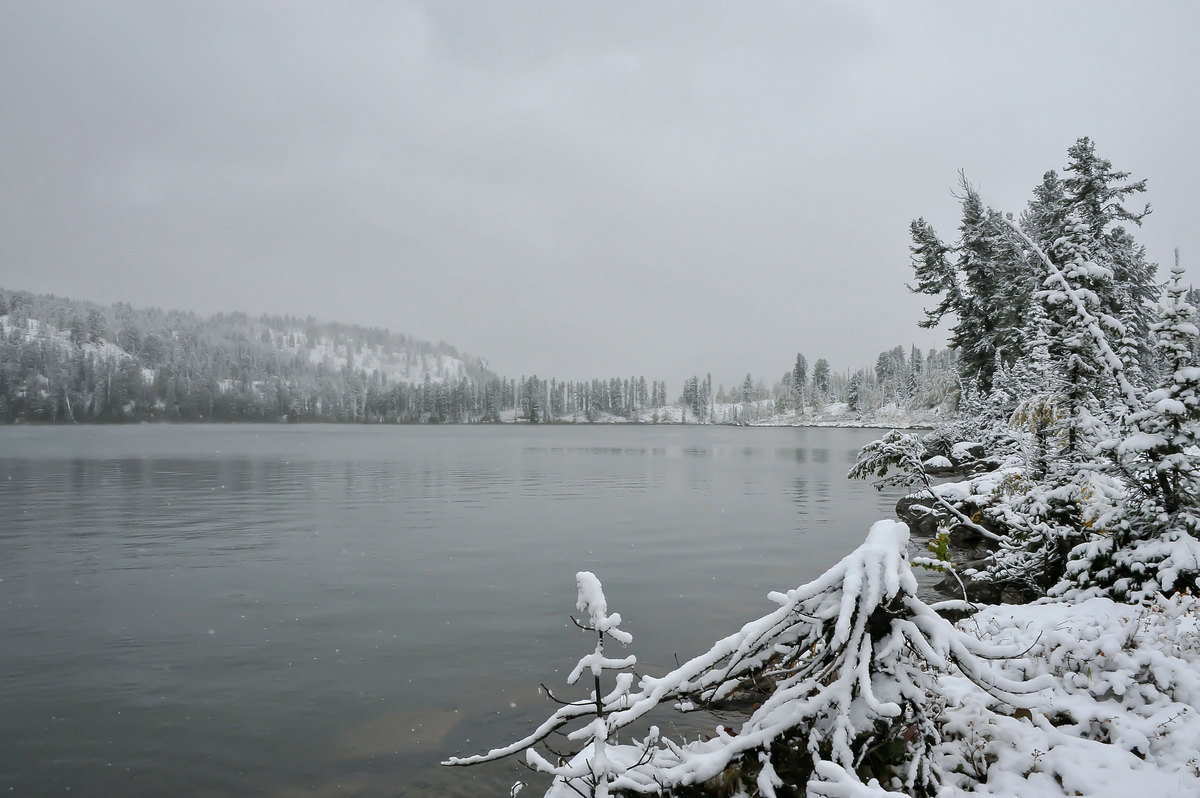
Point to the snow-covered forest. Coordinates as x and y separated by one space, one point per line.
64 361
1065 658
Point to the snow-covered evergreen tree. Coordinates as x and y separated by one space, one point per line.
800 381
1152 543
820 380
1073 340
1094 195
935 274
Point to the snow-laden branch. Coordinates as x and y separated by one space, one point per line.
902 452
592 601
846 666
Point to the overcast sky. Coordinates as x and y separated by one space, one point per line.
565 188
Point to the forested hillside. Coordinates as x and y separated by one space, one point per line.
64 360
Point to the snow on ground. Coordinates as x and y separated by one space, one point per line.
1124 721
395 365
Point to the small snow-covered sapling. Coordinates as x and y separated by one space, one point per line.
597 764
594 606
595 617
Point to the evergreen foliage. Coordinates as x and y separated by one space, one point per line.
1088 404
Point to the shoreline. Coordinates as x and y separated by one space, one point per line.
562 423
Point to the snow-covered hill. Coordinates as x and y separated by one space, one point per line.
409 363
30 330
67 360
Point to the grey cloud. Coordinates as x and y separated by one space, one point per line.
572 189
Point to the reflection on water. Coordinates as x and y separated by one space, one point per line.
331 610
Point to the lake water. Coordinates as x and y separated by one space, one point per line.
331 610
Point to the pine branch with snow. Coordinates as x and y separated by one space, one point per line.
898 458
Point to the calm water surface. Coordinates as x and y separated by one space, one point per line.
331 610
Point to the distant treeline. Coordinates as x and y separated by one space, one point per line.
64 360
